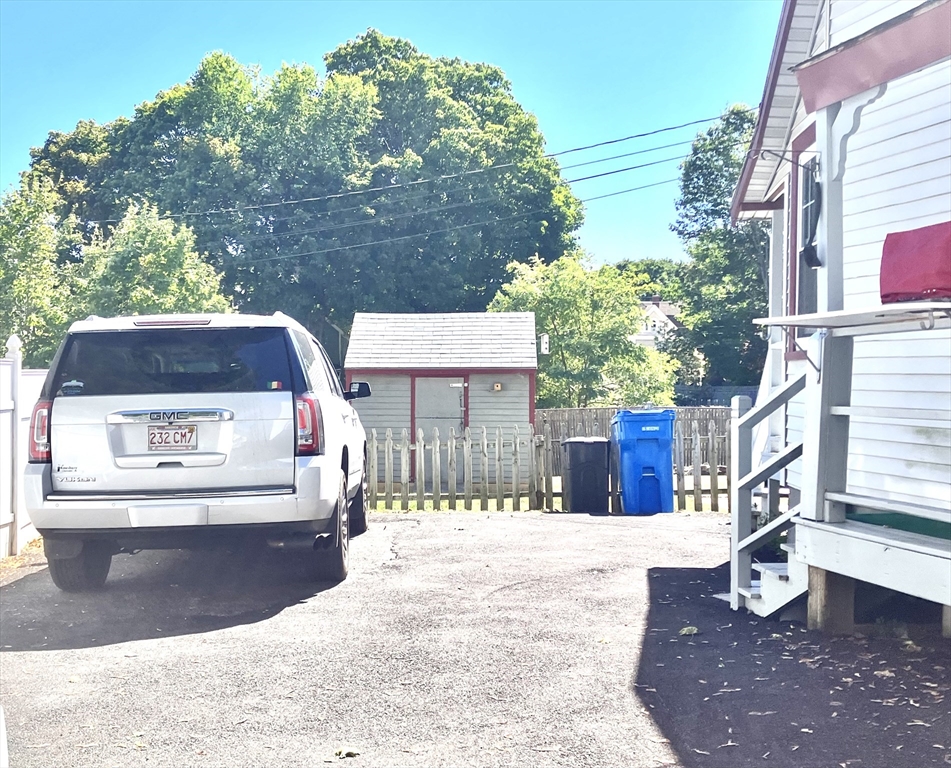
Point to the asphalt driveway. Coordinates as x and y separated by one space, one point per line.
460 639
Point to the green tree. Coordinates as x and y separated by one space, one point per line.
591 316
148 266
482 193
664 277
36 277
724 285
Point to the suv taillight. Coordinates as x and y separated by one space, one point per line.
40 432
310 426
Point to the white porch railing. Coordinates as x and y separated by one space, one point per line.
743 539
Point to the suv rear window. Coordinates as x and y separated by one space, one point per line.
147 362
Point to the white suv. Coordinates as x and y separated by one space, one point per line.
188 431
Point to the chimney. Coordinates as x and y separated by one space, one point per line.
656 299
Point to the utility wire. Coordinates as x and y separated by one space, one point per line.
625 170
640 135
438 231
437 209
626 154
382 188
632 189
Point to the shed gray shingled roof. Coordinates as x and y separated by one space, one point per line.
456 340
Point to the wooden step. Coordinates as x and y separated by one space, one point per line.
776 570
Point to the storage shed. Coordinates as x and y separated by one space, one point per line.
448 371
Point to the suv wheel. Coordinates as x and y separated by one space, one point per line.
359 505
333 564
87 571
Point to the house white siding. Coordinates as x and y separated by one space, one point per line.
898 177
795 420
851 18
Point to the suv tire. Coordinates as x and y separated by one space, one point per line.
85 572
358 507
334 563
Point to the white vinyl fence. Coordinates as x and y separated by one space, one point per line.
19 391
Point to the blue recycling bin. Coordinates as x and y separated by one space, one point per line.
642 461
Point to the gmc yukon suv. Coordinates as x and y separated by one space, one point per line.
189 431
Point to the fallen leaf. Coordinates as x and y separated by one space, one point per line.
689 631
701 752
347 751
883 673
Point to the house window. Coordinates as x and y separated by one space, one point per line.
810 205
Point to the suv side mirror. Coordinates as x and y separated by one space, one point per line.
357 389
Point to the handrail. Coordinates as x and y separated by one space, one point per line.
744 478
774 402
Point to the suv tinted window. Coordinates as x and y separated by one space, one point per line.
166 361
316 376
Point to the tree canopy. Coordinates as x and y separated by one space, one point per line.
397 182
36 285
49 278
591 316
148 266
724 284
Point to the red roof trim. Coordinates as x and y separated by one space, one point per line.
769 205
891 50
772 76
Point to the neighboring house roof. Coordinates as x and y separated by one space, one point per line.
459 340
668 310
777 109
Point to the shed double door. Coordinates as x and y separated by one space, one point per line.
440 403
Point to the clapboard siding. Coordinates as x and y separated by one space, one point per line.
795 420
898 488
388 405
820 40
898 177
506 409
851 18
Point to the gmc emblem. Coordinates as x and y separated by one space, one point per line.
167 415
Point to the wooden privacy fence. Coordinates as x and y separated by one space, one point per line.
489 468
482 466
701 450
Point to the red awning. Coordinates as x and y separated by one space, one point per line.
917 264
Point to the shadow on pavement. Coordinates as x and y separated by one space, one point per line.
154 594
747 691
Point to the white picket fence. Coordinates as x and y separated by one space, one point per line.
485 467
19 391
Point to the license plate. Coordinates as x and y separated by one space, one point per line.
176 438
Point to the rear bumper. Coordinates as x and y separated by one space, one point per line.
311 502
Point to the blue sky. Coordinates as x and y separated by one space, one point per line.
589 71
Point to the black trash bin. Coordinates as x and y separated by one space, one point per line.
584 475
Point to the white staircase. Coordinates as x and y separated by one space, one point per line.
779 584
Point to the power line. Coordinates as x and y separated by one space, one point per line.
641 135
625 170
437 209
626 154
403 185
439 231
437 192
632 189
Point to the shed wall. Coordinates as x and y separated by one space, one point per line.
508 408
